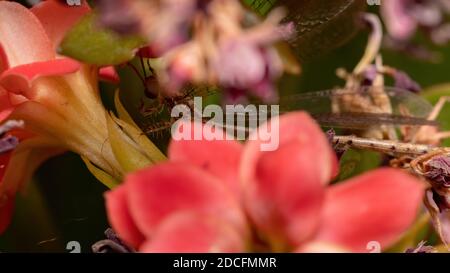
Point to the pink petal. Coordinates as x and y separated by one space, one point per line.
19 78
377 206
320 247
58 17
284 189
298 126
399 23
194 233
23 38
109 74
158 192
5 113
285 199
120 218
221 158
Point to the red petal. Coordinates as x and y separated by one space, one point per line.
57 18
148 52
377 206
19 78
5 114
320 247
218 157
284 189
286 197
23 38
158 192
109 74
194 233
120 218
300 127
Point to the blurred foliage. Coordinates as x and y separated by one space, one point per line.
433 94
355 162
321 25
91 44
65 203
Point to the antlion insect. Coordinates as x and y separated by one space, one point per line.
157 107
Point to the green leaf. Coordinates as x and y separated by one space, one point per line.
121 111
413 236
321 25
147 147
101 175
262 7
126 151
89 43
355 162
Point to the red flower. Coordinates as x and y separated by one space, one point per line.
221 196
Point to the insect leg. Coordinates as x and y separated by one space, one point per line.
433 116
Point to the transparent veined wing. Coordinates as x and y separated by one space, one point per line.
357 107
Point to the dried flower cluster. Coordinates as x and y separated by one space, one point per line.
214 42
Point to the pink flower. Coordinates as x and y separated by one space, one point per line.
404 17
56 97
225 47
399 22
222 196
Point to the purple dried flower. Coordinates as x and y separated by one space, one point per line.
439 207
404 17
422 248
118 16
438 170
401 79
205 42
112 244
399 22
240 64
369 75
8 143
404 81
330 135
